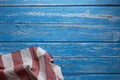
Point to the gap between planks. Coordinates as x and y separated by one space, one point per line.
54 5
78 58
85 73
59 41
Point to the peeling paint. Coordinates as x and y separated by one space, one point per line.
117 49
4 0
83 53
86 26
12 15
84 15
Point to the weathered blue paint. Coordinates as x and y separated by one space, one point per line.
68 49
82 15
75 2
80 63
82 35
91 76
89 65
58 32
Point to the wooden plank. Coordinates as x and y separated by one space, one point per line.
82 15
82 67
65 2
68 49
58 32
89 65
92 76
81 64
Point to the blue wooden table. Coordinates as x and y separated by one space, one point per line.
82 35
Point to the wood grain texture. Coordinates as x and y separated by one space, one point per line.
78 63
67 50
89 65
65 2
58 32
82 15
92 76
82 35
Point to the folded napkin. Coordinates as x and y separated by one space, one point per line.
29 64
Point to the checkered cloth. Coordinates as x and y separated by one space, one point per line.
29 64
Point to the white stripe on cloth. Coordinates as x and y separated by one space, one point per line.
42 73
9 67
27 61
26 57
57 70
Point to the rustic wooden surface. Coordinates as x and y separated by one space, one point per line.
82 35
61 2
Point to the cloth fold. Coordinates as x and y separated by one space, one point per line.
29 64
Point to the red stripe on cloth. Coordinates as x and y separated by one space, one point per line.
18 66
49 56
2 75
50 74
35 62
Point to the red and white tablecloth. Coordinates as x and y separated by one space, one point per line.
29 64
